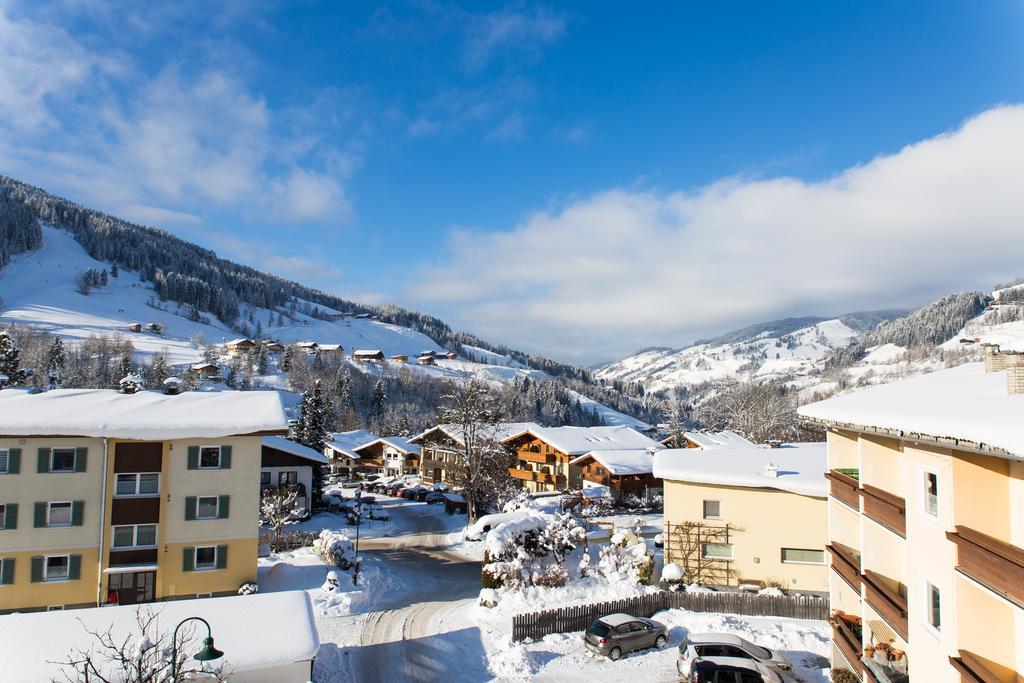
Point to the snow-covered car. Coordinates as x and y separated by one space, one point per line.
727 648
617 634
717 670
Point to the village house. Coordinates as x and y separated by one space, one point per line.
427 360
273 346
444 448
543 454
400 358
309 347
237 347
135 327
622 472
368 356
341 451
708 440
286 464
926 523
206 371
392 455
747 515
110 497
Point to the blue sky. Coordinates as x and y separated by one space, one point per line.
540 174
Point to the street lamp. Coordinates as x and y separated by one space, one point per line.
207 654
359 522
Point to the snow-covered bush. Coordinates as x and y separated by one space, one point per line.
844 676
551 576
625 558
528 548
249 588
672 578
131 384
335 549
331 583
488 597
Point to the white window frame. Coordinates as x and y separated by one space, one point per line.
7 460
135 537
220 455
74 459
46 569
138 484
71 513
783 560
216 514
704 554
925 471
195 558
931 628
703 509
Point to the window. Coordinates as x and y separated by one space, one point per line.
712 509
62 460
209 458
206 507
206 557
4 459
265 479
137 484
287 478
56 568
58 514
134 536
801 556
934 607
717 551
931 494
3 516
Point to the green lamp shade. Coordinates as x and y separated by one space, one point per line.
209 652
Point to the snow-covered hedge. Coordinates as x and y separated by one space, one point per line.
335 549
626 558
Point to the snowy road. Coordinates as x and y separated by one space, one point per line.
422 634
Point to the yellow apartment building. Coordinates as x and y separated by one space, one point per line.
747 515
926 524
108 497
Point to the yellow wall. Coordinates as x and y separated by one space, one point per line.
844 524
986 627
23 594
842 449
241 568
769 520
880 464
981 477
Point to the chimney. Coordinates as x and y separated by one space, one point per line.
771 470
994 360
1014 365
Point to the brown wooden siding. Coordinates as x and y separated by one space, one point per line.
885 508
889 604
121 557
847 642
991 562
272 457
846 563
844 488
972 669
138 457
135 510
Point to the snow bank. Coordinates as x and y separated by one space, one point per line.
488 522
288 446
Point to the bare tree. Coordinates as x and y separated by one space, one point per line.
279 507
760 412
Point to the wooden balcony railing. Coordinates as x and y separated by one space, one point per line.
889 604
846 563
848 642
526 475
885 508
991 562
532 456
844 488
972 669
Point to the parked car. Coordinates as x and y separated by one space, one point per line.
434 497
734 671
421 494
371 477
726 648
350 483
616 634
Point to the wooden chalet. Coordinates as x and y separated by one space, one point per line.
236 347
426 360
400 358
368 356
206 370
330 350
135 327
394 455
309 347
623 472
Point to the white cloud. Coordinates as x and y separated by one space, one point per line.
624 269
299 268
309 196
523 31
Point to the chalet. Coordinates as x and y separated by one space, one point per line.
273 347
623 472
206 370
448 355
400 358
341 452
362 316
444 448
394 455
154 327
236 347
135 327
285 463
330 350
543 454
368 355
307 346
708 440
426 360
428 353
342 316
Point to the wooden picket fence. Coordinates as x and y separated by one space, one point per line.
578 617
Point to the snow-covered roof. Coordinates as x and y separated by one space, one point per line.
33 644
236 342
798 468
501 431
400 443
203 366
288 446
617 619
330 347
962 404
306 344
726 439
1009 339
580 440
367 352
623 462
150 415
346 443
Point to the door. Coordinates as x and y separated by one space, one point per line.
133 588
437 475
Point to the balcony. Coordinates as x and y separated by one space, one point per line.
889 604
846 563
844 483
527 475
995 564
972 668
535 457
846 634
885 508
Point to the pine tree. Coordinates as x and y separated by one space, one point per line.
124 368
312 431
261 359
343 389
11 374
379 401
160 370
286 359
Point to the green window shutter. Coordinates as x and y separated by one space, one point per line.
14 461
223 507
40 516
77 512
81 454
44 460
37 569
222 556
7 571
225 457
188 562
190 508
11 516
193 457
74 567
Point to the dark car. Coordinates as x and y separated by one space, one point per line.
706 671
434 497
616 634
421 494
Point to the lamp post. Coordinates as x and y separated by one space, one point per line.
359 522
207 654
